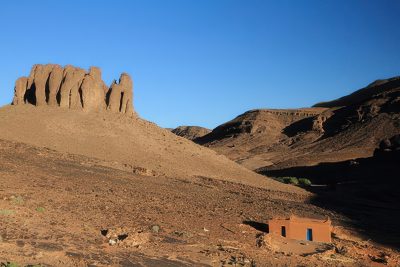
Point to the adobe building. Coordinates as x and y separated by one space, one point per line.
302 228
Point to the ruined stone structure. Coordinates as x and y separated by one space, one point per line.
74 88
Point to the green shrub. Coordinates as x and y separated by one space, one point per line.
279 179
304 182
17 200
40 209
7 212
9 264
290 180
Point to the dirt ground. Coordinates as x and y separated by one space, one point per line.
123 142
59 209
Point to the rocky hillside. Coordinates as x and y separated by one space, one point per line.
74 88
59 209
366 189
190 132
347 128
45 114
377 87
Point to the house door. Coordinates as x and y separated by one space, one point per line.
309 234
283 231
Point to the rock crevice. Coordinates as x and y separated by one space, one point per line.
74 88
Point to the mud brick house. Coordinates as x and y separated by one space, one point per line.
302 228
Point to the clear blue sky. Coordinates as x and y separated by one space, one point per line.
205 62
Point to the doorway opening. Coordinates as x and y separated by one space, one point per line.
309 235
283 231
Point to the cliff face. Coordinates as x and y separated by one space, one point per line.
266 122
344 129
74 88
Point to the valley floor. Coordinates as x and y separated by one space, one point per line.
67 210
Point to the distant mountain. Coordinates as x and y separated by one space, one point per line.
363 94
190 132
344 129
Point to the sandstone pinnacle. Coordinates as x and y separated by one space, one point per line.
74 88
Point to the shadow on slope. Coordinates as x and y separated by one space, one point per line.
366 190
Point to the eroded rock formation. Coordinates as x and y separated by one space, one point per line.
20 90
74 88
121 95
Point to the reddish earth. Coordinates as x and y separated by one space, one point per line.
85 188
59 209
123 142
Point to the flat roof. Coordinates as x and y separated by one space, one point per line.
302 220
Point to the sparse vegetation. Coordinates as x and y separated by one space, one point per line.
13 264
6 212
290 180
294 181
17 200
40 209
304 182
9 264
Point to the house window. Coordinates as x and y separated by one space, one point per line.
283 231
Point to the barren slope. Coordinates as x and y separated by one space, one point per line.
363 94
261 139
58 209
127 143
249 137
190 132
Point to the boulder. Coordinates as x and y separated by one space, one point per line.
121 95
93 93
20 90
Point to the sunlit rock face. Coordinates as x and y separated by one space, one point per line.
74 88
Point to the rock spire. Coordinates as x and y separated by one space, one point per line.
74 88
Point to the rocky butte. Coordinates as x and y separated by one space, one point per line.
74 88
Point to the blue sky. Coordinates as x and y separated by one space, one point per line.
205 62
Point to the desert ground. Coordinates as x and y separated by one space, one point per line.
86 182
59 209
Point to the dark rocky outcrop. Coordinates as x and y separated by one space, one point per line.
363 94
344 129
74 88
190 132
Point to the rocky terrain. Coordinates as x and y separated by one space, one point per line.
347 148
248 138
74 88
365 189
87 182
190 132
60 209
348 128
126 142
